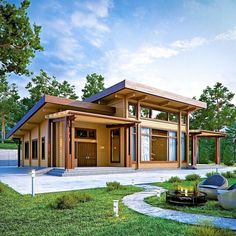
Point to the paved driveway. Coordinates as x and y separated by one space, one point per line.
20 180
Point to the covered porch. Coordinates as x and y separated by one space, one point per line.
195 135
81 139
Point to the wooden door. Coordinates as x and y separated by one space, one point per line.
86 153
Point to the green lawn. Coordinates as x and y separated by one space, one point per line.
8 146
210 208
24 215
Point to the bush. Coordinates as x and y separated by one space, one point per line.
67 201
113 186
1 189
211 173
192 177
209 231
228 175
204 156
228 156
174 179
84 197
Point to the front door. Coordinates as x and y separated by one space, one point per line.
86 153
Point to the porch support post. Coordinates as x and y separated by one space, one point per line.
217 151
23 152
68 159
194 150
49 142
179 143
18 152
187 138
138 137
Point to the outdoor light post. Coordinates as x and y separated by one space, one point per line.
33 182
116 208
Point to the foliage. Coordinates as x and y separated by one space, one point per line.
228 156
67 201
228 175
211 173
174 179
8 103
220 111
113 186
94 84
43 84
192 177
84 197
19 40
204 155
8 146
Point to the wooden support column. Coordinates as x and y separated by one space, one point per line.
49 143
217 150
194 150
187 138
179 143
138 137
23 152
39 146
68 159
71 146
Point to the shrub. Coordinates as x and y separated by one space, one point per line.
228 156
113 186
67 201
211 173
174 179
1 189
84 197
228 174
204 156
192 177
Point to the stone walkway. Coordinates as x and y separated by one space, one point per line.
136 202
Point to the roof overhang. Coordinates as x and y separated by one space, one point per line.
207 133
180 102
92 118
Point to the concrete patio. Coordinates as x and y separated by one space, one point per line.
20 180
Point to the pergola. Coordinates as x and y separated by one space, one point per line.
195 134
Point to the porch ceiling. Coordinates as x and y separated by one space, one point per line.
92 118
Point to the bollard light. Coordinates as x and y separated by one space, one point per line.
158 192
116 208
33 182
162 179
132 181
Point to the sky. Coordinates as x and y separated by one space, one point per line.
180 46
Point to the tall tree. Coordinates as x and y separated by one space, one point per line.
8 103
19 41
94 84
220 111
43 84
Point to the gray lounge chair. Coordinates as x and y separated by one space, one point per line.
212 184
227 197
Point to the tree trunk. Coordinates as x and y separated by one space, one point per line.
3 127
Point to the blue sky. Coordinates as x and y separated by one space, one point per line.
176 45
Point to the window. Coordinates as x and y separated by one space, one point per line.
133 141
115 145
35 149
145 144
85 133
159 115
172 146
173 117
26 150
183 145
145 112
132 109
43 148
183 119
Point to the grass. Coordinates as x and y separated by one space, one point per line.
24 215
210 208
8 146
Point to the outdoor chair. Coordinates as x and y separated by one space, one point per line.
212 184
227 197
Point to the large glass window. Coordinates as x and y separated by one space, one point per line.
173 117
183 145
159 115
85 133
172 146
35 149
27 150
132 109
145 144
115 145
133 140
145 112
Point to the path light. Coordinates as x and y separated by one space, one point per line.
158 192
116 208
162 179
33 182
132 181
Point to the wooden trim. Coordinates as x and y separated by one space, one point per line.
120 126
159 162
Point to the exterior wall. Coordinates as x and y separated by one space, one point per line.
119 104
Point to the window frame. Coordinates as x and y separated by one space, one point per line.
43 148
34 151
26 143
87 131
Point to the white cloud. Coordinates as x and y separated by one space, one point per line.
189 44
228 35
99 8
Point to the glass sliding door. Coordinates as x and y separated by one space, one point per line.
145 144
172 146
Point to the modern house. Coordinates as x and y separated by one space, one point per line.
126 125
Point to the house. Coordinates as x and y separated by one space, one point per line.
126 125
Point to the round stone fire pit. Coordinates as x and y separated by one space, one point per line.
183 198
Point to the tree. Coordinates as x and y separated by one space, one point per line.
19 41
43 84
94 84
220 111
8 103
